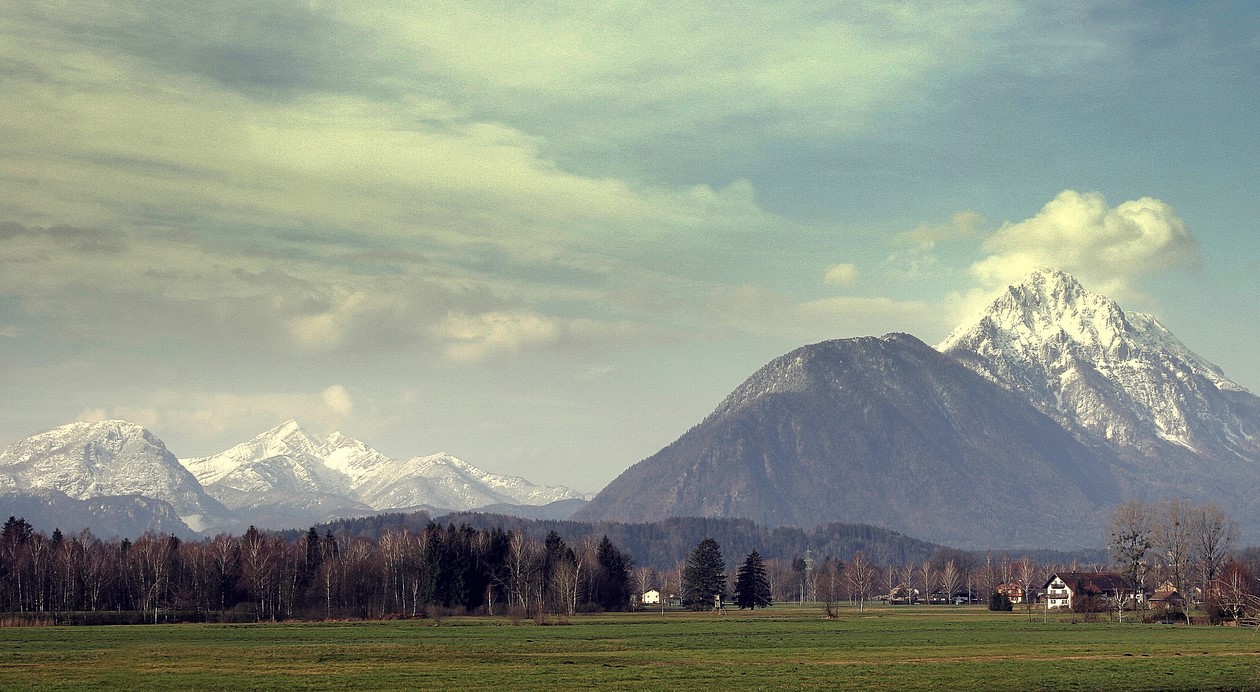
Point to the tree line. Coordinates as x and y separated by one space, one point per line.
403 567
264 575
662 544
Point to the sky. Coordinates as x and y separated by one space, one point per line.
549 238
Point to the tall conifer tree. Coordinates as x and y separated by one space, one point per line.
704 577
752 588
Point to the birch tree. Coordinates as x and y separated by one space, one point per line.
858 574
950 578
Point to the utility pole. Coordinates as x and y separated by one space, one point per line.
807 589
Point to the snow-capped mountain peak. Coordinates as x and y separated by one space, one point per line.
350 457
1122 377
289 437
1046 308
90 459
285 440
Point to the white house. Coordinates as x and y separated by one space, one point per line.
651 597
1062 587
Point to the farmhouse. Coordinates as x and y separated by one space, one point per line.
1063 587
1167 596
1012 590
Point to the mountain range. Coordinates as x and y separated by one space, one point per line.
283 478
1024 427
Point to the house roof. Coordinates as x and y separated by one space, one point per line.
1104 582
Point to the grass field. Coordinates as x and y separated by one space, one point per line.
782 648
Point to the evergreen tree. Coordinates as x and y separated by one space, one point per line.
752 589
17 530
613 580
704 575
312 560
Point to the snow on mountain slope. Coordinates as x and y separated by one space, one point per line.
289 462
351 458
1122 377
107 458
441 480
284 459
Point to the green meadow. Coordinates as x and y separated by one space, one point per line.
883 648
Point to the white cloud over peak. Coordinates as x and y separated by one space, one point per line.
1107 247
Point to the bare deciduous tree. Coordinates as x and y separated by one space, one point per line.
858 575
827 585
1171 539
927 576
1130 538
1214 536
1026 573
950 578
907 579
522 570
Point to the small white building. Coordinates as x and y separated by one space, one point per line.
651 597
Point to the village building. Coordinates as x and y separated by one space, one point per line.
1012 590
1063 589
1167 596
653 597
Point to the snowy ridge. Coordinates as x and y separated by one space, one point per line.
282 478
1121 377
284 458
291 462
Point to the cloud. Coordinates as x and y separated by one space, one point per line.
963 224
670 67
841 275
473 338
756 310
315 179
1109 248
133 287
338 400
209 415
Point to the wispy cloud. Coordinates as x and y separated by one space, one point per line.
205 415
758 310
